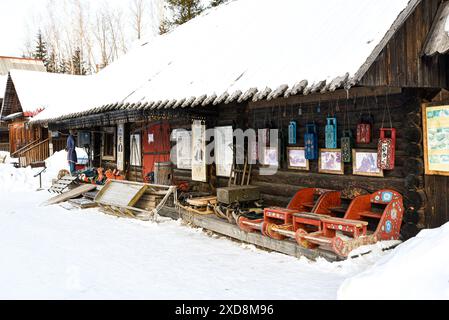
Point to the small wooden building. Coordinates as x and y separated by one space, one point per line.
6 65
385 59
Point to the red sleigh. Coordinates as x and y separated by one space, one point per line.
307 200
369 219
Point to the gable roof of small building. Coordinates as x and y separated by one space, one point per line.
10 63
245 49
438 40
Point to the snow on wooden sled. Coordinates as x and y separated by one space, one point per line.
132 199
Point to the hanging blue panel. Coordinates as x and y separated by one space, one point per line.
311 141
331 133
292 132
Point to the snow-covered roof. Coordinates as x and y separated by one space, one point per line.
42 90
9 63
245 49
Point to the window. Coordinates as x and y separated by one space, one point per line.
108 146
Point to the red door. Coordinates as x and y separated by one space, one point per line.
156 147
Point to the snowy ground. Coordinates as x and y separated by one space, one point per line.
52 253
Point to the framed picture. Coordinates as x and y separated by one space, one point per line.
330 161
271 157
436 139
297 159
183 140
364 163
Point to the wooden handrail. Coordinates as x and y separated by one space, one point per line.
35 153
35 146
14 154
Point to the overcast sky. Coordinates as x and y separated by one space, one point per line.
20 17
13 24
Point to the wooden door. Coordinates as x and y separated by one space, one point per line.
155 146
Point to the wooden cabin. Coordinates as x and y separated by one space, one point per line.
19 136
388 60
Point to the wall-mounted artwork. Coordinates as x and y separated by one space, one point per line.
365 163
297 159
271 157
183 140
330 161
135 150
199 165
224 150
436 139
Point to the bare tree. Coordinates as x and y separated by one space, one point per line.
137 12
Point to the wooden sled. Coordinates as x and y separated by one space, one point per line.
305 200
369 219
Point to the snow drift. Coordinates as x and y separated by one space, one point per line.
13 180
417 269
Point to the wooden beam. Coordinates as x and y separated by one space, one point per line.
330 96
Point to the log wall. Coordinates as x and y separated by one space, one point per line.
407 177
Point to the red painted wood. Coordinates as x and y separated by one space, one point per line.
157 150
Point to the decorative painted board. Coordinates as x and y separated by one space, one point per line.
224 150
365 163
311 141
346 146
330 161
121 146
199 164
331 133
436 139
387 149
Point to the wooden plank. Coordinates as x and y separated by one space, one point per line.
202 202
76 192
117 193
83 203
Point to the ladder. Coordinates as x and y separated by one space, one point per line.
240 174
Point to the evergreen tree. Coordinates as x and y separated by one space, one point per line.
52 63
63 66
183 11
40 52
215 3
78 63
